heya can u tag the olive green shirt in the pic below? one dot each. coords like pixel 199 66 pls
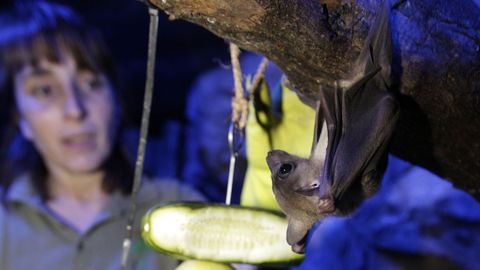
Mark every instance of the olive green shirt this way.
pixel 33 237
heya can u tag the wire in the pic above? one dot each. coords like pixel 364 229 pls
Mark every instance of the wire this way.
pixel 147 102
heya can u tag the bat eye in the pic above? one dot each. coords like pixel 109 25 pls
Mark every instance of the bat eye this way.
pixel 285 169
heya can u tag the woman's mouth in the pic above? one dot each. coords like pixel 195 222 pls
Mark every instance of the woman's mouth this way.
pixel 79 142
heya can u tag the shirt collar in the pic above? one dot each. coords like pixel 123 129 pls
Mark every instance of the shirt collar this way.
pixel 22 190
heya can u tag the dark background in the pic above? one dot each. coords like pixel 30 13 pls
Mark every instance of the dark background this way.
pixel 184 50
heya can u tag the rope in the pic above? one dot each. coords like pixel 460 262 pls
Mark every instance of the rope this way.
pixel 239 111
pixel 239 101
pixel 259 74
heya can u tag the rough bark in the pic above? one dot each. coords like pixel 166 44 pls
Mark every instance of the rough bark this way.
pixel 436 63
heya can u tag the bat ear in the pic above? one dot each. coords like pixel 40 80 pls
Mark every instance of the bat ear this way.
pixel 320 138
pixel 377 51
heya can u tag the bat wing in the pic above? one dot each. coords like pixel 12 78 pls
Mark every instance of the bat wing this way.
pixel 360 117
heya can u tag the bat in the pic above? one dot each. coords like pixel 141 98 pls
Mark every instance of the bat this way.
pixel 355 120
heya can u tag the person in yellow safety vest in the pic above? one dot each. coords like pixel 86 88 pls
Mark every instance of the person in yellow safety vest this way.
pixel 277 120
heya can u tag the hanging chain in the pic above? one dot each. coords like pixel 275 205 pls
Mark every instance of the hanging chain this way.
pixel 236 131
pixel 147 102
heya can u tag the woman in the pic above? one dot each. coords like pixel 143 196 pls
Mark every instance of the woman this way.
pixel 65 181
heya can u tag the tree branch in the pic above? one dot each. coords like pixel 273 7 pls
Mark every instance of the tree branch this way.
pixel 436 63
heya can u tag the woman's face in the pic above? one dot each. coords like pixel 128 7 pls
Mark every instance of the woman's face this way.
pixel 67 113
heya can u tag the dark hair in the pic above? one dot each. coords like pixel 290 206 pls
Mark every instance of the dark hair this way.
pixel 30 31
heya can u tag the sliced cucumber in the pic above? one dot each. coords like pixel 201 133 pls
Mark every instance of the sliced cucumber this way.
pixel 203 265
pixel 220 233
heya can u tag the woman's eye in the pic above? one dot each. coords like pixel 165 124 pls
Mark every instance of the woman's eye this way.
pixel 91 82
pixel 94 83
pixel 42 91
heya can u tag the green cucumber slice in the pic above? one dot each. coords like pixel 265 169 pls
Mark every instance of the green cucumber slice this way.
pixel 203 265
pixel 220 233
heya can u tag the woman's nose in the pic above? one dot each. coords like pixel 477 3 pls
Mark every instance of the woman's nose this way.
pixel 75 104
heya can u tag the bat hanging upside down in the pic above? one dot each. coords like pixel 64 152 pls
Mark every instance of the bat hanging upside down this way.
pixel 346 165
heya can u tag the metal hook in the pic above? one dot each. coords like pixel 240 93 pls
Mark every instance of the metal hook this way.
pixel 235 143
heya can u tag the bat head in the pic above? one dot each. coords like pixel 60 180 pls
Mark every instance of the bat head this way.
pixel 299 193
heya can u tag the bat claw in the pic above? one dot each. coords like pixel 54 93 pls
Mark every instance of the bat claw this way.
pixel 326 206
